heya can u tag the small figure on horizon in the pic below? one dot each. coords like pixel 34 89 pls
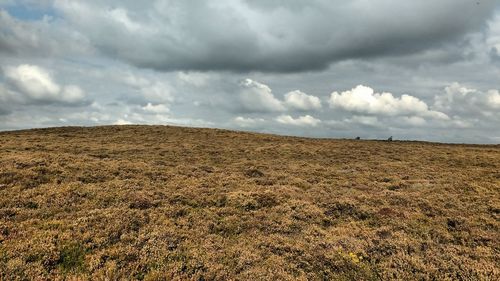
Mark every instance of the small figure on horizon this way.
pixel 390 138
pixel 358 138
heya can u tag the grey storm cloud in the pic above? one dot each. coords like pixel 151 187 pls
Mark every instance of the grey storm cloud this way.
pixel 4 111
pixel 44 37
pixel 495 55
pixel 269 36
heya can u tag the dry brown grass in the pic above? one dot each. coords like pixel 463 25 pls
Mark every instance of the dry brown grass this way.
pixel 170 203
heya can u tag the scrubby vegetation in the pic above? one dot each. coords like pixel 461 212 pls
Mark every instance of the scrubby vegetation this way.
pixel 170 203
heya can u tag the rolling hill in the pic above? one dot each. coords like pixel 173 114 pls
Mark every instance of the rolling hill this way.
pixel 173 203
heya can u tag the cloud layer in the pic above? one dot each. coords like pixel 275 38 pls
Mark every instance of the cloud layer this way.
pixel 411 69
pixel 240 35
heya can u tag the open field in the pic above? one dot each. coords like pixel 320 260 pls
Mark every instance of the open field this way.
pixel 171 203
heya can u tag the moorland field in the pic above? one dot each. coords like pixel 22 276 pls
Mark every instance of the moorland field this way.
pixel 172 203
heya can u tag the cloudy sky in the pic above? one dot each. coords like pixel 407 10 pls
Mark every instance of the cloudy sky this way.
pixel 426 70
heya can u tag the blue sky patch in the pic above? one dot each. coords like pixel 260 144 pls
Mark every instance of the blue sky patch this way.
pixel 23 12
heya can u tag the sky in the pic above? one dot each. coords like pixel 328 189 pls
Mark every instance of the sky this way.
pixel 415 70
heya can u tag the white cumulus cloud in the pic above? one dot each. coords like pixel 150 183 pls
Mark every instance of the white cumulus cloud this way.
pixel 364 100
pixel 247 122
pixel 36 84
pixel 458 99
pixel 33 81
pixel 257 97
pixel 306 120
pixel 72 94
pixel 122 122
pixel 155 108
pixel 302 101
pixel 494 99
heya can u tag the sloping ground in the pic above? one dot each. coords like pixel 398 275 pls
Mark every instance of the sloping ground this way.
pixel 156 203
